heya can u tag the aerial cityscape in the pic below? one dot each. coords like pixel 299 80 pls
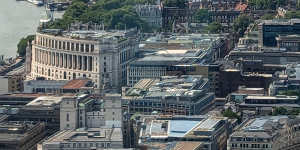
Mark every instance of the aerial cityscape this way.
pixel 150 75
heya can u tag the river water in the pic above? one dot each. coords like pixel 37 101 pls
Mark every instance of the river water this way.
pixel 17 19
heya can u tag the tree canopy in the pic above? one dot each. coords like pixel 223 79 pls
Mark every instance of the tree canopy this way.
pixel 292 14
pixel 268 17
pixel 214 27
pixel 266 4
pixel 202 16
pixel 230 114
pixel 241 23
pixel 175 3
pixel 114 14
pixel 23 44
pixel 283 111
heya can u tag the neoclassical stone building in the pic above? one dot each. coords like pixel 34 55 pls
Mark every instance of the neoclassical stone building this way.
pixel 95 54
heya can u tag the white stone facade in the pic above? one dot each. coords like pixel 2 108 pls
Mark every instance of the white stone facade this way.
pixel 86 112
pixel 98 55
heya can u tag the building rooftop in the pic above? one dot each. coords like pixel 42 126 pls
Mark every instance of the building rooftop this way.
pixel 86 135
pixel 187 145
pixel 262 127
pixel 190 48
pixel 281 22
pixel 241 7
pixel 90 32
pixel 179 127
pixel 45 101
pixel 15 131
pixel 77 84
pixel 169 86
pixel 281 97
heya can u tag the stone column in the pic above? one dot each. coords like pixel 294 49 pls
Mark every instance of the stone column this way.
pixel 49 58
pixel 37 59
pixel 70 61
pixel 65 61
pixel 77 59
pixel 87 63
pixel 92 62
pixel 74 61
pixel 43 57
pixel 61 60
pixel 56 59
pixel 82 63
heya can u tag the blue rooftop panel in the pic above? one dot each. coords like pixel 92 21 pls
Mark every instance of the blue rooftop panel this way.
pixel 178 128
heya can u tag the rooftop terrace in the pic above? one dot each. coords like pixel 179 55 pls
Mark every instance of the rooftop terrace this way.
pixel 86 135
pixel 263 127
pixel 184 86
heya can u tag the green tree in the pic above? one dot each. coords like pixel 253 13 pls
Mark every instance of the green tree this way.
pixel 22 45
pixel 202 15
pixel 175 3
pixel 230 114
pixel 267 17
pixel 292 14
pixel 266 4
pixel 280 111
pixel 214 27
pixel 241 23
pixel 114 14
pixel 84 1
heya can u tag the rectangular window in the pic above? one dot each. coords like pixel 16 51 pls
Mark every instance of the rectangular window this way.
pixel 59 45
pixel 68 117
pixel 55 44
pixel 72 46
pixel 92 48
pixel 68 45
pixel 87 47
pixel 81 47
pixel 64 45
pixel 77 46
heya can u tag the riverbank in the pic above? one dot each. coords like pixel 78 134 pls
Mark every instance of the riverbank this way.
pixel 18 24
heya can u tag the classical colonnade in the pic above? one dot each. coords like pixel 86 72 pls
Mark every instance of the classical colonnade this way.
pixel 64 60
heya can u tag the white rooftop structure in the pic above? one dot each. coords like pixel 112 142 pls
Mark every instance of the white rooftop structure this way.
pixel 45 101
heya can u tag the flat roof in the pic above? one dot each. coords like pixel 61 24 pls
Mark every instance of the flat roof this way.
pixel 187 145
pixel 271 97
pixel 209 124
pixel 281 21
pixel 86 135
pixel 184 86
pixel 15 131
pixel 178 128
pixel 262 127
pixel 76 84
pixel 258 123
pixel 45 101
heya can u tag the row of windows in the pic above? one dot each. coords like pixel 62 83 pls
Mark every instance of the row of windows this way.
pixel 148 74
pixel 153 104
pixel 86 145
pixel 62 45
pixel 65 75
pixel 289 44
pixel 248 145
